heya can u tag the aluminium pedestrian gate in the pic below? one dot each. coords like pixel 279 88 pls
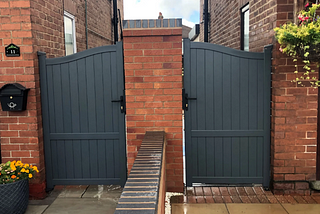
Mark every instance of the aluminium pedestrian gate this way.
pixel 226 98
pixel 83 117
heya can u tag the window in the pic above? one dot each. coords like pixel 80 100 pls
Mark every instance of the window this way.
pixel 69 34
pixel 245 28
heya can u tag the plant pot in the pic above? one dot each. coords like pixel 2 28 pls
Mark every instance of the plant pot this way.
pixel 14 197
pixel 314 53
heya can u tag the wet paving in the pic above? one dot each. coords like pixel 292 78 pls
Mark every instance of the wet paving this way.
pixel 81 199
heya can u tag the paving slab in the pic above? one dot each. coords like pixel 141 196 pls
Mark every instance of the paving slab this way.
pixel 256 209
pixel 199 208
pixel 302 208
pixel 103 191
pixel 73 191
pixel 36 209
pixel 81 206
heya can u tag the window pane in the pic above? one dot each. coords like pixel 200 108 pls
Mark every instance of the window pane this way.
pixel 246 31
pixel 69 35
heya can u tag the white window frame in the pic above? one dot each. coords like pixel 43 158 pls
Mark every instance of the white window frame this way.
pixel 73 30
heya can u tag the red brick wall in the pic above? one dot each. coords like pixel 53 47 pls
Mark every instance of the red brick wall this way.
pixel 21 135
pixel 225 23
pixel 153 75
pixel 294 122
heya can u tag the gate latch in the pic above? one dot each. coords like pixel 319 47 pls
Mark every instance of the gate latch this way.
pixel 121 101
pixel 185 99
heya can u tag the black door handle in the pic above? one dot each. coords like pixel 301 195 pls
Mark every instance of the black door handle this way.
pixel 185 98
pixel 121 101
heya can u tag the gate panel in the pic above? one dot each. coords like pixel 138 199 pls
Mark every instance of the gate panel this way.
pixel 84 130
pixel 227 114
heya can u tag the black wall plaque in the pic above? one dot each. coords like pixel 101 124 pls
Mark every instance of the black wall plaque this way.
pixel 12 50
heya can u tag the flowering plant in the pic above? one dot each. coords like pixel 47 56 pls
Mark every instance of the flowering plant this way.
pixel 302 40
pixel 13 171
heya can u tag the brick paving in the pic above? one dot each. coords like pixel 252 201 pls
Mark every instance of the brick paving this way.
pixel 241 195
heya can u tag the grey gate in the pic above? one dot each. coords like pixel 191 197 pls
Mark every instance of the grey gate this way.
pixel 83 117
pixel 226 98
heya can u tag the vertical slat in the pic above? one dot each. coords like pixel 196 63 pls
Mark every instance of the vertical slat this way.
pixel 115 110
pixel 244 91
pixel 253 94
pixel 110 158
pixel 99 92
pixel 83 109
pixel 235 109
pixel 252 156
pixel 253 98
pixel 106 63
pixel 92 117
pixel 218 157
pixel 116 159
pixel 69 153
pixel 90 73
pixel 66 108
pixel 54 160
pixel 226 114
pixel 244 156
pixel 102 158
pixel 187 115
pixel 122 130
pixel 235 156
pixel 93 151
pixel 45 114
pixel 57 88
pixel 217 91
pixel 260 102
pixel 210 154
pixel 193 92
pixel 195 158
pixel 201 111
pixel 209 109
pixel 85 151
pixel 75 118
pixel 260 152
pixel 267 98
pixel 100 112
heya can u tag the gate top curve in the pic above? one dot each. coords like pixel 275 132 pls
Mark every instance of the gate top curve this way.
pixel 85 53
pixel 225 50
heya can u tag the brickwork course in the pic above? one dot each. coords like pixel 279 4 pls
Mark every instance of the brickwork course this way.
pixel 38 26
pixel 294 108
pixel 153 76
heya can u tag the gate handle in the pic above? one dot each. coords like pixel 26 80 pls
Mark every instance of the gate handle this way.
pixel 121 101
pixel 185 99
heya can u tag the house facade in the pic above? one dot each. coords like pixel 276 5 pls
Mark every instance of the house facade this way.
pixel 57 28
pixel 248 25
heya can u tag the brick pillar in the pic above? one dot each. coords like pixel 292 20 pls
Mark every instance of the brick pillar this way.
pixel 21 132
pixel 294 122
pixel 153 75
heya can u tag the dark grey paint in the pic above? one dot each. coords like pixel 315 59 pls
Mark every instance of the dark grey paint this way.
pixel 138 23
pixel 84 132
pixel 228 125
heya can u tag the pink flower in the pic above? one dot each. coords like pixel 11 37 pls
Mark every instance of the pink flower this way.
pixel 306 18
pixel 280 49
pixel 307 5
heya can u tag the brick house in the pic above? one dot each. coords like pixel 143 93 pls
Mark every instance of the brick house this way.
pixel 58 28
pixel 248 25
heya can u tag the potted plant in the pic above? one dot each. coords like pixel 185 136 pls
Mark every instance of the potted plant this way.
pixel 14 186
pixel 302 40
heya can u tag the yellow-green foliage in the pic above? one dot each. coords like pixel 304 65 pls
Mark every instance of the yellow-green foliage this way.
pixel 293 37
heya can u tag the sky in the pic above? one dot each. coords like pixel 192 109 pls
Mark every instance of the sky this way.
pixel 188 10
